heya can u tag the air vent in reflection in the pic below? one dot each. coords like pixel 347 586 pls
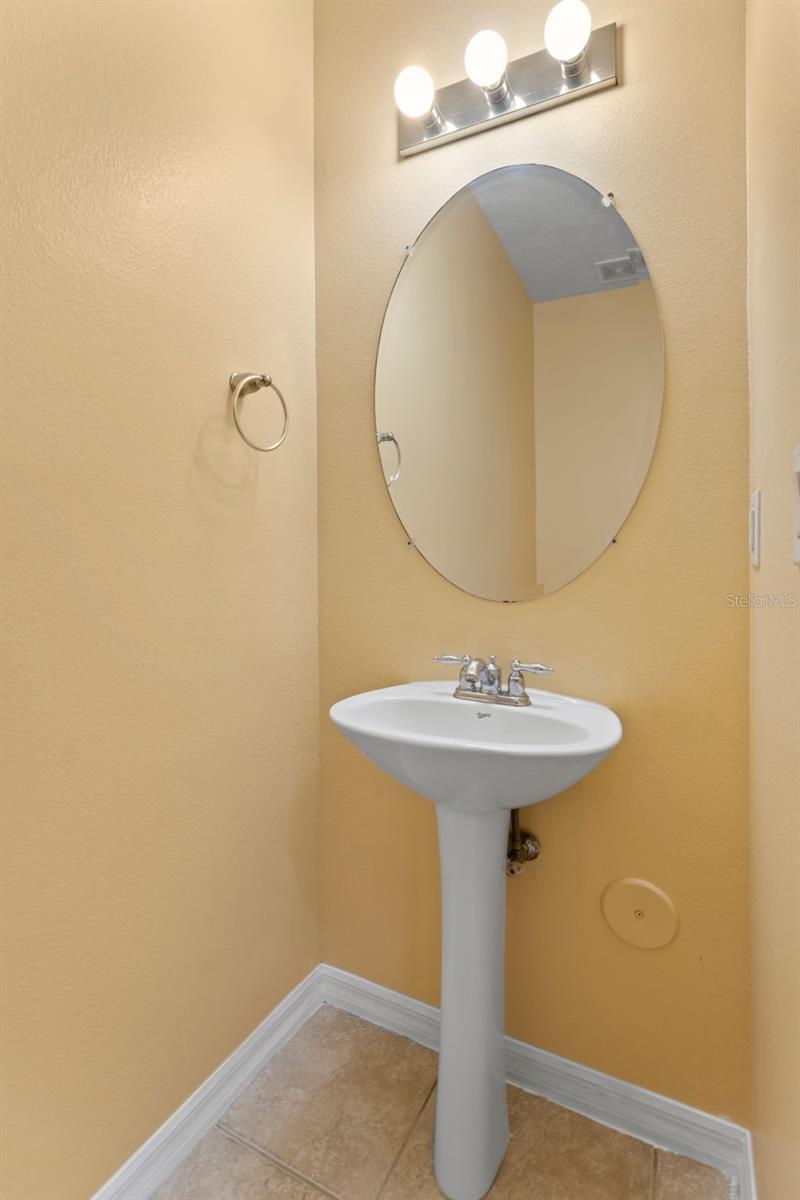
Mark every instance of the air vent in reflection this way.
pixel 637 258
pixel 615 270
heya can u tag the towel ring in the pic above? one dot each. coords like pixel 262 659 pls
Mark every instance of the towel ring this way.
pixel 242 385
pixel 389 437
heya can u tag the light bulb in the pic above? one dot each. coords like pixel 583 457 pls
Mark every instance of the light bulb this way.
pixel 567 30
pixel 414 91
pixel 486 58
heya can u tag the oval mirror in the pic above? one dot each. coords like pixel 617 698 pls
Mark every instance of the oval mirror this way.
pixel 519 381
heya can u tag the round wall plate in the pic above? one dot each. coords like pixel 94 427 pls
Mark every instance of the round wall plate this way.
pixel 640 913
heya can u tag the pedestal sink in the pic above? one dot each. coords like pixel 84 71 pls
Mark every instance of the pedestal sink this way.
pixel 476 762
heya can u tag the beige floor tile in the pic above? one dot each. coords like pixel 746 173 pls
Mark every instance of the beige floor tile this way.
pixel 680 1178
pixel 554 1154
pixel 338 1102
pixel 219 1169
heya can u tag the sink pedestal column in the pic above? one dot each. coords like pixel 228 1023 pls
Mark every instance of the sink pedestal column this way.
pixel 471 1132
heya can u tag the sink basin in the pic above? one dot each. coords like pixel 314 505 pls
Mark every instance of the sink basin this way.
pixel 475 761
pixel 478 757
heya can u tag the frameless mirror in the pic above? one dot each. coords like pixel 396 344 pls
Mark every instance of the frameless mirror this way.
pixel 519 382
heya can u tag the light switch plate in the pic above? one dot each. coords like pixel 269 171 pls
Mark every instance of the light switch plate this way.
pixel 796 523
pixel 755 528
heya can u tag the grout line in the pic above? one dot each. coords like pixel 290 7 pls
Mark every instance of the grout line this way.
pixel 406 1140
pixel 276 1161
pixel 654 1175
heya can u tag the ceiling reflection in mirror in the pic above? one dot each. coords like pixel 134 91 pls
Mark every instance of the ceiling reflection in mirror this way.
pixel 519 382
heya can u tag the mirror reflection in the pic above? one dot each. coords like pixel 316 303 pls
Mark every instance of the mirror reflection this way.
pixel 519 382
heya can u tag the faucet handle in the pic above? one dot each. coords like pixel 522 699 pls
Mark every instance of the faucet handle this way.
pixel 534 668
pixel 516 680
pixel 471 673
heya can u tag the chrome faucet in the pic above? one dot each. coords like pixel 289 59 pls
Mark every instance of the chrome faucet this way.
pixel 483 681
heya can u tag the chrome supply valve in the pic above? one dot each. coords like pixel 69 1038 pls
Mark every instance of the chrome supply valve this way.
pixel 522 847
pixel 483 681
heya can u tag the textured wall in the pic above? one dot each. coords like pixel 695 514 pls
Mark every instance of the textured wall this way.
pixel 646 629
pixel 773 184
pixel 160 577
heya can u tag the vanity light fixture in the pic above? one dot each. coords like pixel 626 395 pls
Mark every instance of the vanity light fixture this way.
pixel 577 60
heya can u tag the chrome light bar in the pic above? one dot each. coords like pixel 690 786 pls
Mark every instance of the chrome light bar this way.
pixel 534 82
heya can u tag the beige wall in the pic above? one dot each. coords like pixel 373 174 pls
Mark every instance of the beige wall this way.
pixel 599 381
pixel 160 577
pixel 646 629
pixel 454 383
pixel 773 170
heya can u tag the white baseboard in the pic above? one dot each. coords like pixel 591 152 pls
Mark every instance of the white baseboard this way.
pixel 646 1115
pixel 154 1162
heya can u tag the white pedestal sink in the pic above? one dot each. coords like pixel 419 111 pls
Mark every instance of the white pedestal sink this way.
pixel 476 762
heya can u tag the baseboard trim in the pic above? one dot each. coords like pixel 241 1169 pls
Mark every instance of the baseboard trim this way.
pixel 634 1110
pixel 154 1162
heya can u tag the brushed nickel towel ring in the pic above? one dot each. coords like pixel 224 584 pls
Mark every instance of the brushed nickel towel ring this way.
pixel 389 437
pixel 242 385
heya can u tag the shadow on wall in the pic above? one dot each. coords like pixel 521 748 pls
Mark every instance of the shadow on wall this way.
pixel 227 469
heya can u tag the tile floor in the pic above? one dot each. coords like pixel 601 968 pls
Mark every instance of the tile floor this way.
pixel 345 1111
